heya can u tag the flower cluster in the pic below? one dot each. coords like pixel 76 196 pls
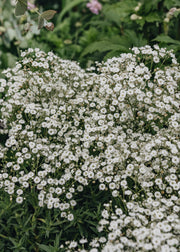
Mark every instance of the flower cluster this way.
pixel 94 6
pixel 170 14
pixel 31 6
pixel 117 126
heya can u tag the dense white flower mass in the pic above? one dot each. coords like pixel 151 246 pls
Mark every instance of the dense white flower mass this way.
pixel 117 126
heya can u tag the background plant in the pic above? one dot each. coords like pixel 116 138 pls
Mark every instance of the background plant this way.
pixel 85 37
pixel 80 34
pixel 17 32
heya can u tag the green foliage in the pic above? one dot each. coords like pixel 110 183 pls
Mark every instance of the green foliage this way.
pixel 19 32
pixel 103 46
pixel 169 3
pixel 166 40
pixel 78 33
pixel 16 33
pixel 84 34
pixel 40 22
pixel 68 7
pixel 45 16
pixel 29 226
pixel 21 7
pixel 49 14
pixel 119 12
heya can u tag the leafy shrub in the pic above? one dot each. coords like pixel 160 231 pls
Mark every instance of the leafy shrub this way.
pixel 16 33
pixel 92 155
pixel 85 37
pixel 120 25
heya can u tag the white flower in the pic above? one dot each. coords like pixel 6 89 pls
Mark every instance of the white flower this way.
pixel 37 180
pixel 19 199
pixel 69 195
pixel 102 187
pixel 70 217
pixel 20 160
pixel 114 130
pixel 19 191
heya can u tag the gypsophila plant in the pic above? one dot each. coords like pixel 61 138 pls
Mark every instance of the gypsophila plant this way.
pixel 101 142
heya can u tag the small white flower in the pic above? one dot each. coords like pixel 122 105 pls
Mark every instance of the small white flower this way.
pixel 37 180
pixel 70 217
pixel 19 191
pixel 102 187
pixel 19 199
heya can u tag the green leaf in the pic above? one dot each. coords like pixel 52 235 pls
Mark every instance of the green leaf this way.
pixel 68 7
pixel 118 12
pixel 80 229
pixel 171 3
pixel 176 13
pixel 57 239
pixel 3 236
pixel 166 39
pixel 13 241
pixel 21 7
pixel 23 2
pixel 153 17
pixel 29 218
pixel 103 46
pixel 49 14
pixel 44 221
pixel 91 222
pixel 134 39
pixel 149 6
pixel 40 22
pixel 93 229
pixel 44 247
pixel 130 182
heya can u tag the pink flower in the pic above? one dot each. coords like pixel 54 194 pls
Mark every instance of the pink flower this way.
pixel 94 6
pixel 31 6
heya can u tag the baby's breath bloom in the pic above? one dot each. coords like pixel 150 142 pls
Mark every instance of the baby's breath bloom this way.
pixel 115 129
